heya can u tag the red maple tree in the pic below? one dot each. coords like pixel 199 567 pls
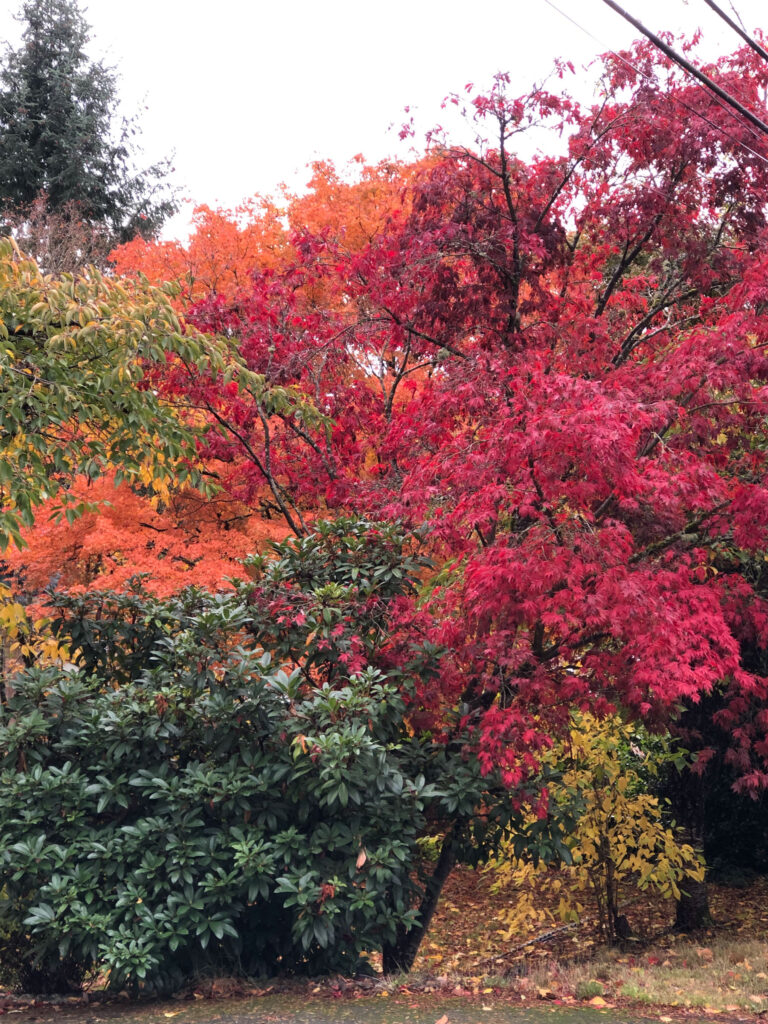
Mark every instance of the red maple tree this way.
pixel 556 366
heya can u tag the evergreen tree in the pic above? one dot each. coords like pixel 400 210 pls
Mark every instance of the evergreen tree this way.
pixel 60 136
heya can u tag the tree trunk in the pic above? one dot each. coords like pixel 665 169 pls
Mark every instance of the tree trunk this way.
pixel 400 955
pixel 693 907
pixel 692 910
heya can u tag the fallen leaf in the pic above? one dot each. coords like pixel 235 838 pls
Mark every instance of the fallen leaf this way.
pixel 443 1019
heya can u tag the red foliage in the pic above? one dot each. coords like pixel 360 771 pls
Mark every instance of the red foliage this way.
pixel 555 369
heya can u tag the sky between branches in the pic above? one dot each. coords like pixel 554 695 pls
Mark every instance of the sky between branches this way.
pixel 248 94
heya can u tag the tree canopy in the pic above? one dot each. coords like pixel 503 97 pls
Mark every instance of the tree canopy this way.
pixel 557 366
pixel 74 356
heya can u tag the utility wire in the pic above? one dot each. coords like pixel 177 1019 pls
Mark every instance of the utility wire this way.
pixel 619 56
pixel 737 28
pixel 710 83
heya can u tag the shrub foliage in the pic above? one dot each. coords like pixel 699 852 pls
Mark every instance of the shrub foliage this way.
pixel 227 780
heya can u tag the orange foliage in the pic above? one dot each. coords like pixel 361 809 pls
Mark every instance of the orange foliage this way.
pixel 352 210
pixel 227 246
pixel 224 249
pixel 193 541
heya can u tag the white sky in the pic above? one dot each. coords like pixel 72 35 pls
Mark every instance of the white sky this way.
pixel 247 92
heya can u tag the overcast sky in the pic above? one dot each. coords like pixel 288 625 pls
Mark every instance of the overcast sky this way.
pixel 247 92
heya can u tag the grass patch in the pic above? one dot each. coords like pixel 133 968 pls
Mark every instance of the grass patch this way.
pixel 636 994
pixel 726 973
pixel 589 989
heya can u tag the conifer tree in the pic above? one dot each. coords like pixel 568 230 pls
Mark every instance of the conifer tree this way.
pixel 60 134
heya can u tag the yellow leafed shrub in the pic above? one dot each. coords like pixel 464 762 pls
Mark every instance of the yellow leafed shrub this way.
pixel 620 841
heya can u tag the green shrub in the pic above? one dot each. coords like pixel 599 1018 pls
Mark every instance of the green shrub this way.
pixel 211 788
pixel 213 809
pixel 230 781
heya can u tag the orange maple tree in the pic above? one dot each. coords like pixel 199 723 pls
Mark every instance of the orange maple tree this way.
pixel 352 208
pixel 227 247
pixel 190 540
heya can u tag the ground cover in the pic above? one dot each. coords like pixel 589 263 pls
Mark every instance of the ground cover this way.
pixel 722 970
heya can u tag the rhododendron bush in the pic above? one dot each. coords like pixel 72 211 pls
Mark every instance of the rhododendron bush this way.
pixel 230 781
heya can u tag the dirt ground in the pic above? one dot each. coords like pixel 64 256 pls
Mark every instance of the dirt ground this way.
pixel 466 933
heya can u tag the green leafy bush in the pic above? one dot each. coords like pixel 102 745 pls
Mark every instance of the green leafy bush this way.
pixel 213 808
pixel 231 781
pixel 199 793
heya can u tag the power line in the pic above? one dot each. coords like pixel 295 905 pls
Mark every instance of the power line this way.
pixel 737 28
pixel 638 71
pixel 710 83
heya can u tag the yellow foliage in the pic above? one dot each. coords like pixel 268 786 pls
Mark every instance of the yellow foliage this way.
pixel 620 841
pixel 30 639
